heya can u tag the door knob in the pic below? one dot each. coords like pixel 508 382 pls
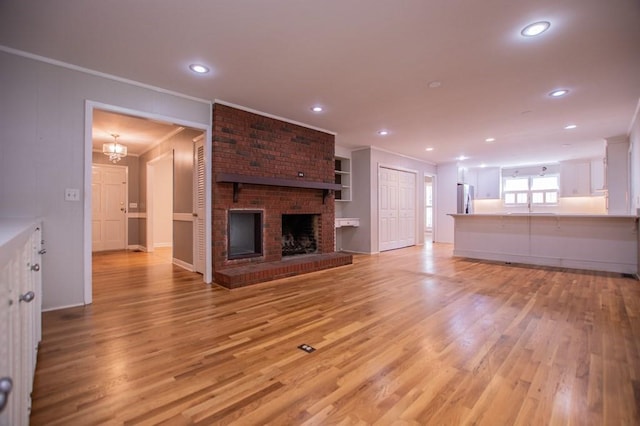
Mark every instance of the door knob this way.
pixel 6 384
pixel 35 267
pixel 27 297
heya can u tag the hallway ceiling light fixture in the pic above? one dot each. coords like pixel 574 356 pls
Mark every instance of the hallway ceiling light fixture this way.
pixel 383 132
pixel 570 126
pixel 116 151
pixel 535 29
pixel 198 68
pixel 317 108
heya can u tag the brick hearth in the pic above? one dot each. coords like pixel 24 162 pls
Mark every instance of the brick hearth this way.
pixel 241 276
pixel 274 167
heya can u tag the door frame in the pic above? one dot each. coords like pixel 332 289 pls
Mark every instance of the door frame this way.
pixel 126 198
pixel 207 277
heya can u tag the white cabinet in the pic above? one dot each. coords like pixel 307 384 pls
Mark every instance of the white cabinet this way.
pixel 575 179
pixel 488 183
pixel 20 316
pixel 342 175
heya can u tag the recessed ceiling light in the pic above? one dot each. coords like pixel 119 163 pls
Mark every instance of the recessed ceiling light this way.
pixel 483 165
pixel 570 126
pixel 490 140
pixel 435 84
pixel 383 132
pixel 462 158
pixel 317 108
pixel 535 29
pixel 558 93
pixel 429 149
pixel 198 68
pixel 566 145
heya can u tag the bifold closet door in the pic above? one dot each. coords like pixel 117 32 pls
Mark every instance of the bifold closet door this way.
pixel 396 208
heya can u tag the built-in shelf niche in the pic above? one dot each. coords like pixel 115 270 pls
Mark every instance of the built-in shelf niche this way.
pixel 343 178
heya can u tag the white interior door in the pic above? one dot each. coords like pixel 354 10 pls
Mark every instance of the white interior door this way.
pixel 388 208
pixel 199 207
pixel 109 187
pixel 407 208
pixel 397 208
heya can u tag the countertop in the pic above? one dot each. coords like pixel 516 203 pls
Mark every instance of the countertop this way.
pixel 559 215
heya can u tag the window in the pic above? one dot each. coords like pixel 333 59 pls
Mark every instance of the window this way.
pixel 537 190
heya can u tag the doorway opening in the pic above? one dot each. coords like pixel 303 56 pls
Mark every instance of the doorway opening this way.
pixel 428 208
pixel 159 226
pixel 159 195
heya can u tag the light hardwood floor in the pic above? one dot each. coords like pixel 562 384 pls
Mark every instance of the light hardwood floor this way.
pixel 411 336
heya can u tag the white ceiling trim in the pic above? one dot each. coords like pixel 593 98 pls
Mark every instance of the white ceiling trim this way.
pixel 375 148
pixel 162 139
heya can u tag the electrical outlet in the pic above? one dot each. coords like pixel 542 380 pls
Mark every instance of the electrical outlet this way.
pixel 72 194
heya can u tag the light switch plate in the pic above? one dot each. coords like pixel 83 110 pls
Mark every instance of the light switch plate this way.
pixel 72 194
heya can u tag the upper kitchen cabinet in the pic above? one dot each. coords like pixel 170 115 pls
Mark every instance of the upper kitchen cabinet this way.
pixel 488 183
pixel 575 178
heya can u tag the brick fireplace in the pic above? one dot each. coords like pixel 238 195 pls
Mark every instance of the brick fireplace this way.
pixel 280 175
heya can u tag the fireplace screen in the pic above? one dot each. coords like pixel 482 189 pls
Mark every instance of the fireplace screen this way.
pixel 245 234
pixel 299 234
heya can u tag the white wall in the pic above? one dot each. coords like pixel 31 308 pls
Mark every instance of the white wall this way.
pixel 364 173
pixel 42 152
pixel 446 201
pixel 566 205
pixel 163 202
pixel 358 239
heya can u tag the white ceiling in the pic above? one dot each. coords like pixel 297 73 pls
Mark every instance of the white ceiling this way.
pixel 137 134
pixel 370 62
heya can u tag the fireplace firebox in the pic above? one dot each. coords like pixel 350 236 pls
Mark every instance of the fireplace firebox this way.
pixel 300 234
pixel 245 234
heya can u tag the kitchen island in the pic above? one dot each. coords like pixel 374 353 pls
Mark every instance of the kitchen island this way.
pixel 595 242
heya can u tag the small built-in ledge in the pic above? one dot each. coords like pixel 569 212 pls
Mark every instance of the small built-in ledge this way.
pixel 347 221
pixel 238 180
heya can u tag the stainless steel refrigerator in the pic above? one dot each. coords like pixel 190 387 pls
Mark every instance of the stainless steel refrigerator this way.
pixel 465 198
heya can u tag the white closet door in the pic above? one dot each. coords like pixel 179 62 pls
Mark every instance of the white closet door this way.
pixel 407 208
pixel 397 208
pixel 199 207
pixel 388 208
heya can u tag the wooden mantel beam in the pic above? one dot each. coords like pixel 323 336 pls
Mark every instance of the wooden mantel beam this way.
pixel 238 180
